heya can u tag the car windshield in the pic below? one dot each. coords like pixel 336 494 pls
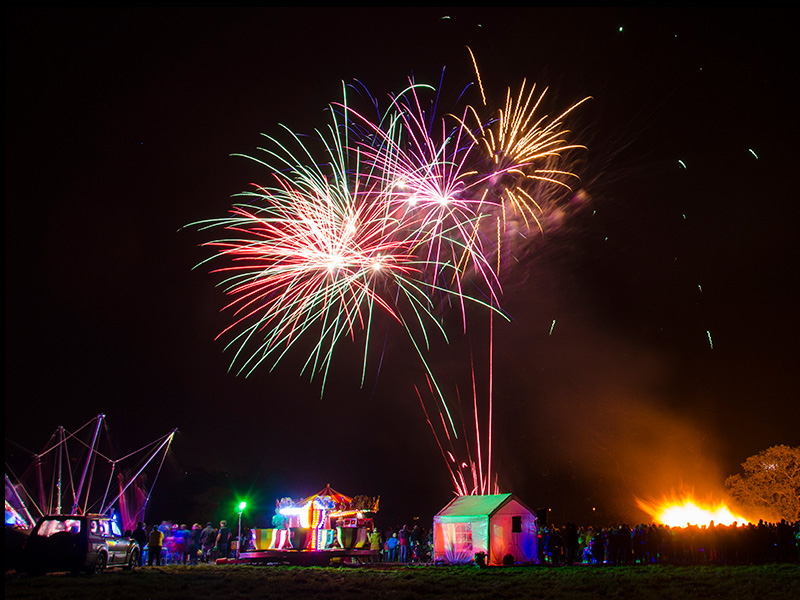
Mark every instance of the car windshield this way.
pixel 53 526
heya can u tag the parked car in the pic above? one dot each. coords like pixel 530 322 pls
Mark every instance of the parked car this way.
pixel 78 543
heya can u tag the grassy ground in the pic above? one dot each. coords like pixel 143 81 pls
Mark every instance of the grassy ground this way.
pixel 244 582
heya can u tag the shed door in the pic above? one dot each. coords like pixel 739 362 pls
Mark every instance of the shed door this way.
pixel 454 542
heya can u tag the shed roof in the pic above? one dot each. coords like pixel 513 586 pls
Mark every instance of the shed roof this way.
pixel 475 506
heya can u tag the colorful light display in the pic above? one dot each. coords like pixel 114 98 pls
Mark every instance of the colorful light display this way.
pixel 320 519
pixel 406 218
pixel 391 217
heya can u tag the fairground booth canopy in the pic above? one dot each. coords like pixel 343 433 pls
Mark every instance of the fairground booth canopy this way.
pixel 498 525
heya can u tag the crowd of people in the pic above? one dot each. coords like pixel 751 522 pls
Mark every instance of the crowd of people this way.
pixel 624 545
pixel 648 544
pixel 402 544
pixel 172 544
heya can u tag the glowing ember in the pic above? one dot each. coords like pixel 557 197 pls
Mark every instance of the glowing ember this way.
pixel 690 511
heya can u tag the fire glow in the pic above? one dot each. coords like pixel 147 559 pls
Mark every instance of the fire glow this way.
pixel 690 511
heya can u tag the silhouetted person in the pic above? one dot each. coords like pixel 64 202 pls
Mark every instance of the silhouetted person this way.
pixel 208 538
pixel 404 543
pixel 139 535
pixel 570 540
pixel 223 541
pixel 556 543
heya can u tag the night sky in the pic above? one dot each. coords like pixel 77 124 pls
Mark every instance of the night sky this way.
pixel 653 335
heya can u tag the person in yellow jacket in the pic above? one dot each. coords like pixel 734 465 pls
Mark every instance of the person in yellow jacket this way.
pixel 375 543
pixel 154 543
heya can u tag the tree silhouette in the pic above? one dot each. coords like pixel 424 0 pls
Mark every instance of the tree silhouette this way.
pixel 770 483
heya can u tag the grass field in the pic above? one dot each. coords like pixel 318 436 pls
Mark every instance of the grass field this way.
pixel 773 581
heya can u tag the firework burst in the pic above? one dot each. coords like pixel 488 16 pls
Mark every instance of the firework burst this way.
pixel 318 251
pixel 402 216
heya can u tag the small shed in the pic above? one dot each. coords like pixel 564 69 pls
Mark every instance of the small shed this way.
pixel 497 525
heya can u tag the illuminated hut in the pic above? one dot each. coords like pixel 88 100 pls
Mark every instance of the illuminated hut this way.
pixel 497 525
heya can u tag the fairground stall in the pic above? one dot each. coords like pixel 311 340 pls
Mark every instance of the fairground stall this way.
pixel 315 530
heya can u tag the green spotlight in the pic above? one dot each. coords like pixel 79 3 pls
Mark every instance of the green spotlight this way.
pixel 242 506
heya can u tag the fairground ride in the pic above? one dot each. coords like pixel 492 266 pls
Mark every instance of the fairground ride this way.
pixel 72 475
pixel 325 526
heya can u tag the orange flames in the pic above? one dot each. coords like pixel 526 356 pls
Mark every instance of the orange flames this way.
pixel 680 512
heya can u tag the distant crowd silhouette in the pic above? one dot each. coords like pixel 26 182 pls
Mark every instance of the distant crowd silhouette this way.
pixel 736 544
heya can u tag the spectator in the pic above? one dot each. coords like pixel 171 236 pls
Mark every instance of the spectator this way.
pixel 570 540
pixel 208 538
pixel 404 543
pixel 223 541
pixel 416 541
pixel 140 536
pixel 391 548
pixel 181 545
pixel 193 543
pixel 170 538
pixel 375 541
pixel 154 544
